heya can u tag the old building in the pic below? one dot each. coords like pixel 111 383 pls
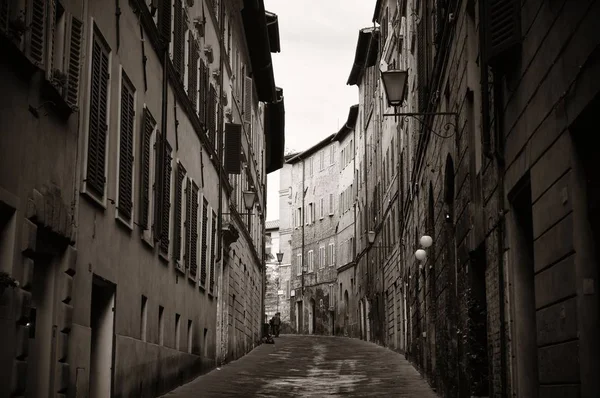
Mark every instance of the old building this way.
pixel 346 310
pixel 311 179
pixel 491 162
pixel 277 296
pixel 136 139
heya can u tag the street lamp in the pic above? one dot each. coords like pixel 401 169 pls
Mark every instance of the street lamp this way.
pixel 394 84
pixel 421 254
pixel 279 258
pixel 371 237
pixel 250 197
pixel 426 241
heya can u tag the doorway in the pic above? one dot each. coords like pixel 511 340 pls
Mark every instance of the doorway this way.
pixel 522 268
pixel 311 316
pixel 102 321
pixel 299 310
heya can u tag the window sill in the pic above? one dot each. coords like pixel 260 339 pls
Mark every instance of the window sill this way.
pixel 59 105
pixel 128 225
pixel 179 267
pixel 147 241
pixel 193 278
pixel 164 257
pixel 93 198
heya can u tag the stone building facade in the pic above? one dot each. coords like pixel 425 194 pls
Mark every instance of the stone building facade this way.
pixel 278 285
pixel 506 302
pixel 123 217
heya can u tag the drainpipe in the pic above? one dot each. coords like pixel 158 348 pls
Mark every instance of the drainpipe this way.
pixel 302 220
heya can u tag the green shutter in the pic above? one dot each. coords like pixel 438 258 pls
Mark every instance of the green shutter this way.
pixel 74 66
pixel 193 72
pixel 96 152
pixel 166 199
pixel 212 250
pixel 203 253
pixel 164 20
pixel 178 211
pixel 148 126
pixel 194 231
pixel 125 204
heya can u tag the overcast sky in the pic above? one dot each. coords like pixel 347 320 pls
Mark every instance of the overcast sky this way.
pixel 318 41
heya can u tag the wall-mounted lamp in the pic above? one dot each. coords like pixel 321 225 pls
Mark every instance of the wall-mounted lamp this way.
pixel 421 254
pixel 394 83
pixel 250 198
pixel 426 241
pixel 279 257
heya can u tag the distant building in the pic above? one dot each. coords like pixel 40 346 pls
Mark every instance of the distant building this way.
pixel 277 296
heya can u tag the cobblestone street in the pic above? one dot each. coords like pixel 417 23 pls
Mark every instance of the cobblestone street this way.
pixel 312 366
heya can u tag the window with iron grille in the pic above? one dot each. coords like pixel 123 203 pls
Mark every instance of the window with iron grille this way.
pixel 126 145
pixel 95 178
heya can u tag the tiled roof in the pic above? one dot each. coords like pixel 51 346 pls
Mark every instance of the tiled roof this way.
pixel 273 224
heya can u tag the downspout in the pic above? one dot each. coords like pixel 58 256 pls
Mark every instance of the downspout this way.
pixel 302 220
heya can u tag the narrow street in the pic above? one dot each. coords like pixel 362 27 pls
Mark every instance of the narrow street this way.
pixel 312 366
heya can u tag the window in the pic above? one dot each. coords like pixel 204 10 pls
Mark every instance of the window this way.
pixel 331 254
pixel 144 318
pixel 192 73
pixel 164 218
pixel 331 155
pixel 191 227
pixel 178 43
pixel 331 204
pixel 322 257
pixel 178 223
pixel 189 336
pixel 321 208
pixel 203 253
pixel 310 166
pixel 95 176
pixel 310 261
pixel 64 50
pixel 126 145
pixel 177 330
pixel 299 264
pixel 310 214
pixel 147 164
pixel 161 325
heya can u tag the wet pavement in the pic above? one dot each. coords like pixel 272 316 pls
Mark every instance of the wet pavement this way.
pixel 312 366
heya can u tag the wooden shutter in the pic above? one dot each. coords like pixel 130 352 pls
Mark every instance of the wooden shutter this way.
pixel 125 204
pixel 37 32
pixel 247 99
pixel 178 211
pixel 194 230
pixel 203 253
pixel 164 20
pixel 188 217
pixel 148 126
pixel 212 110
pixel 166 199
pixel 202 93
pixel 213 242
pixel 193 72
pixel 73 69
pixel 51 30
pixel 422 62
pixel 233 148
pixel 178 39
pixel 503 27
pixel 98 128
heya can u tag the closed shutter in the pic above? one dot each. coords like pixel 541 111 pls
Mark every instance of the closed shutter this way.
pixel 148 126
pixel 422 60
pixel 212 108
pixel 51 11
pixel 4 15
pixel 125 204
pixel 213 242
pixel 74 65
pixel 194 231
pixel 247 99
pixel 503 25
pixel 164 20
pixel 203 253
pixel 37 32
pixel 177 215
pixel 178 38
pixel 166 199
pixel 193 72
pixel 96 151
pixel 233 148
pixel 202 92
pixel 188 217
